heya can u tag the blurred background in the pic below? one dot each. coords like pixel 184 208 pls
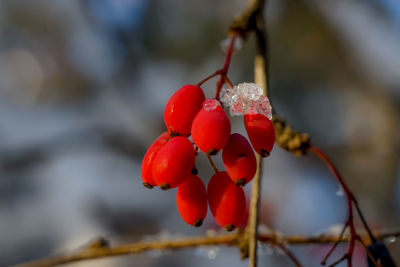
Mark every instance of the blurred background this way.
pixel 83 85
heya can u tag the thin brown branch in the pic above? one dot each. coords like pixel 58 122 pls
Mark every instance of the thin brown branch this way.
pixel 326 239
pixel 245 22
pixel 349 200
pixel 290 255
pixel 343 258
pixel 95 253
pixel 98 252
pixel 260 77
pixel 363 220
pixel 323 262
pixel 252 228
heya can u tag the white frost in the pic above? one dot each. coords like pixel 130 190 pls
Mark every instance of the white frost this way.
pixel 246 98
pixel 211 104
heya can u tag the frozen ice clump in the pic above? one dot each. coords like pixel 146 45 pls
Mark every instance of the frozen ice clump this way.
pixel 211 104
pixel 246 98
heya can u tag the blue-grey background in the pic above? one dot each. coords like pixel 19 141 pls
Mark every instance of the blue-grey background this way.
pixel 83 85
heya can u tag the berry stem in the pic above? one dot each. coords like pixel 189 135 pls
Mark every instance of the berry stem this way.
pixel 218 72
pixel 223 78
pixel 228 82
pixel 219 86
pixel 212 163
pixel 290 254
pixel 222 72
pixel 229 53
pixel 225 68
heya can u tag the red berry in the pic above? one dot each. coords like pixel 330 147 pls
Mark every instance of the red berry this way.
pixel 181 109
pixel 148 158
pixel 239 159
pixel 173 163
pixel 226 200
pixel 211 127
pixel 261 133
pixel 191 200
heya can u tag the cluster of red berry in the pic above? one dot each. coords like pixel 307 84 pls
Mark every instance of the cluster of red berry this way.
pixel 170 160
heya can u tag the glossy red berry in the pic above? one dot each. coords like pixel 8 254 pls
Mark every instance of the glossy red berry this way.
pixel 173 163
pixel 261 133
pixel 148 158
pixel 191 200
pixel 239 159
pixel 226 200
pixel 181 109
pixel 211 127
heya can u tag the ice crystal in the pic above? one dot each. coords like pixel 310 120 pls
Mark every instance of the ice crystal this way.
pixel 211 104
pixel 246 98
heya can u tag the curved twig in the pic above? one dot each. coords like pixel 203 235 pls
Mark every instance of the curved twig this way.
pixel 97 252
